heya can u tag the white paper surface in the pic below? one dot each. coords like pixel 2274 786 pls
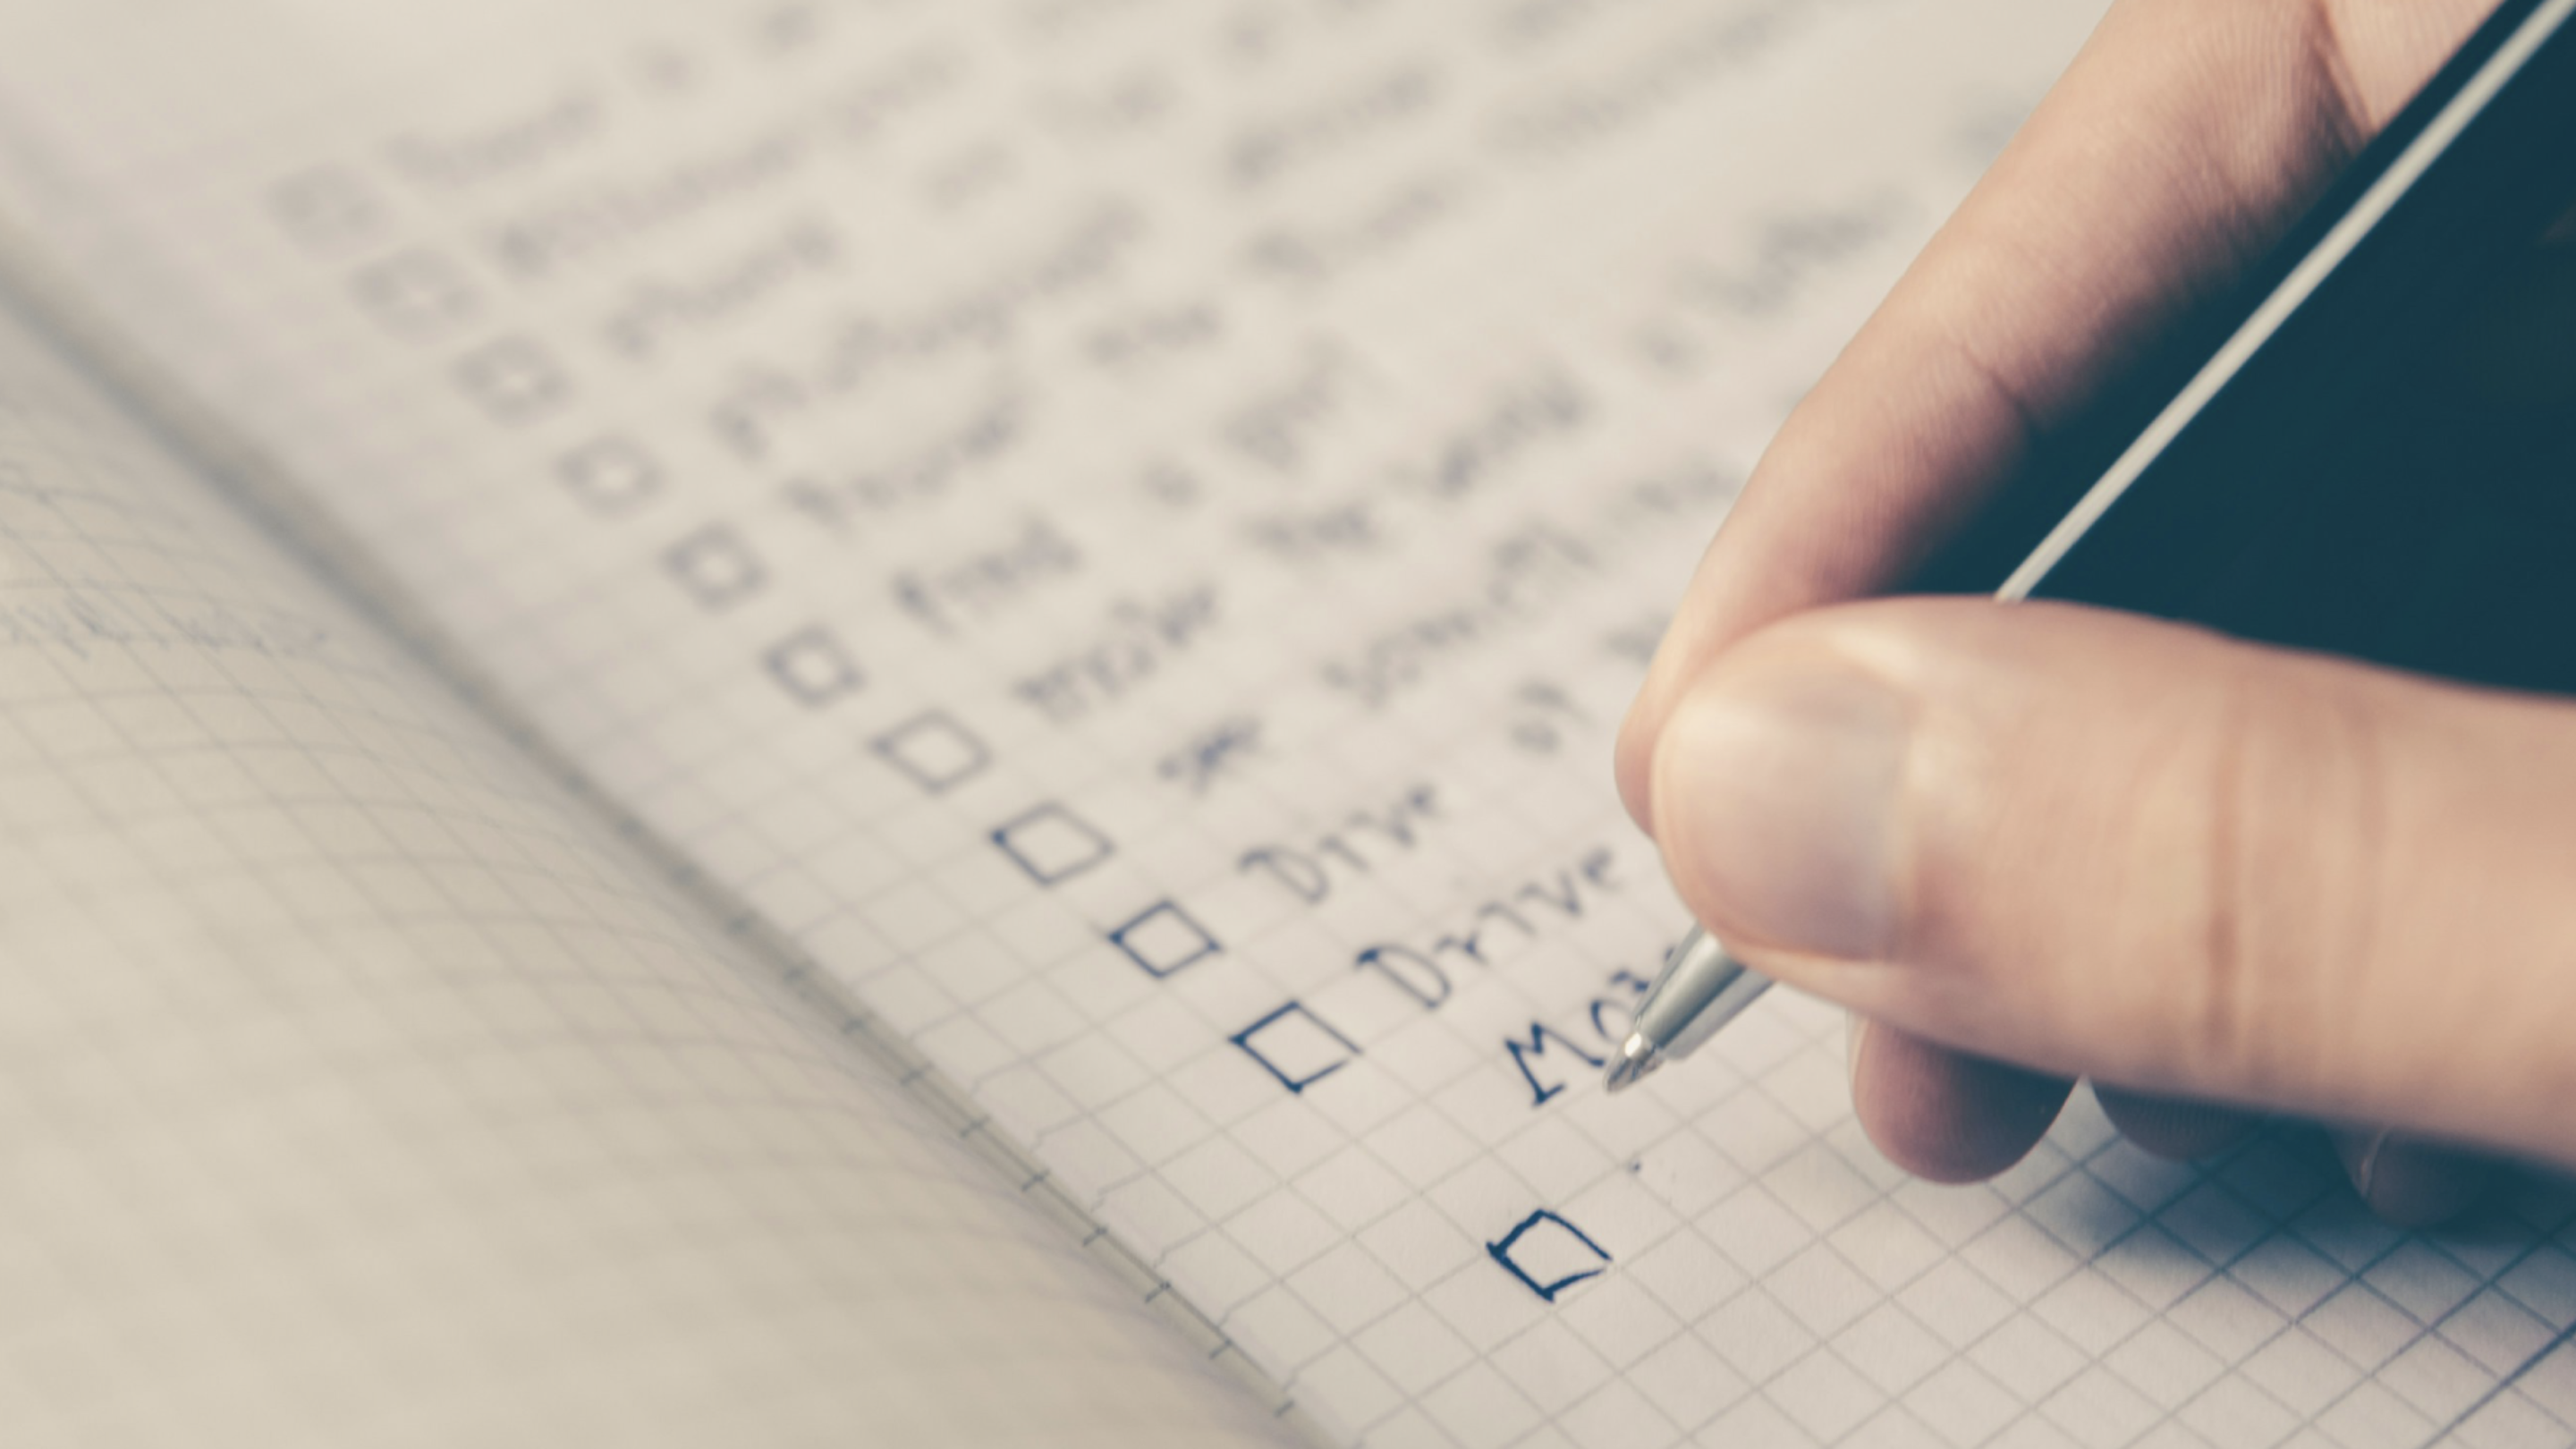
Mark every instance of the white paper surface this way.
pixel 1125 528
pixel 357 1089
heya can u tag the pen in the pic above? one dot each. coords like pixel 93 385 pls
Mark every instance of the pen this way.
pixel 2275 490
pixel 1700 989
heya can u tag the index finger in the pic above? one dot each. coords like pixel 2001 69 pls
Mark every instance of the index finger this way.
pixel 2182 142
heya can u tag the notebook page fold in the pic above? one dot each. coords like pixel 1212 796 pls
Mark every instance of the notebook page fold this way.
pixel 356 1088
pixel 1123 529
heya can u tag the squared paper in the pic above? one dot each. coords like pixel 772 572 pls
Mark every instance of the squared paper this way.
pixel 1122 533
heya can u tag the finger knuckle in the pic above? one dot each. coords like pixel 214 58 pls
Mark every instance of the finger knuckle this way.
pixel 2294 838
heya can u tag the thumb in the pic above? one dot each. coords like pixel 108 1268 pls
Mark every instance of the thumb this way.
pixel 2104 846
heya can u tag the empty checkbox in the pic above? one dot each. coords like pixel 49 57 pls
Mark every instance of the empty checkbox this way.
pixel 812 667
pixel 934 751
pixel 610 476
pixel 513 380
pixel 715 567
pixel 1164 939
pixel 1052 844
pixel 1294 1045
pixel 416 294
pixel 328 207
pixel 1548 1254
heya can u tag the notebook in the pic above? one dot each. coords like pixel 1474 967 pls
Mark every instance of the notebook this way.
pixel 885 721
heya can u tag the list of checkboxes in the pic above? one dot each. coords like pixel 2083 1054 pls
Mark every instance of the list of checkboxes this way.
pixel 610 475
pixel 934 751
pixel 1296 1046
pixel 416 294
pixel 327 208
pixel 513 381
pixel 1164 939
pixel 1052 844
pixel 1548 1254
pixel 812 667
pixel 715 567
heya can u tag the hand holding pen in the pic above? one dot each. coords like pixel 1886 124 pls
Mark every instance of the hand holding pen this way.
pixel 2195 869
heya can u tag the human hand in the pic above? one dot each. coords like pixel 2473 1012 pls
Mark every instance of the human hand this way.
pixel 2194 870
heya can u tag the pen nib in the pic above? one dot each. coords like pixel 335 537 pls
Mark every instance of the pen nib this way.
pixel 1637 1061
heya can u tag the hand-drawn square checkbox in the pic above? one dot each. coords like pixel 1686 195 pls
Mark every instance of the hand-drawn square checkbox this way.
pixel 513 380
pixel 326 208
pixel 812 667
pixel 715 567
pixel 1052 844
pixel 935 751
pixel 1164 939
pixel 416 294
pixel 1296 1046
pixel 1549 1255
pixel 611 475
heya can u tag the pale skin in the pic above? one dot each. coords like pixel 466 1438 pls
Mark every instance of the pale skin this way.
pixel 2092 845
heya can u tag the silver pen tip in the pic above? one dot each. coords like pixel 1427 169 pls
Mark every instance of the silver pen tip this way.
pixel 1637 1061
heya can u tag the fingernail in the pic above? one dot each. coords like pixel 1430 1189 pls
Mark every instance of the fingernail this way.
pixel 1777 793
pixel 2411 1184
pixel 2174 1128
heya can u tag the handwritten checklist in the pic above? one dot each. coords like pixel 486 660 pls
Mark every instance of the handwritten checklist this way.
pixel 1125 531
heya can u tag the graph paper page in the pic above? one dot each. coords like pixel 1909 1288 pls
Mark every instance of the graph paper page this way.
pixel 1124 529
pixel 355 1091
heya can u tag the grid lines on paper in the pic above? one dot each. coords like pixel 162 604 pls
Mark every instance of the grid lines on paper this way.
pixel 1342 1216
pixel 357 1083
